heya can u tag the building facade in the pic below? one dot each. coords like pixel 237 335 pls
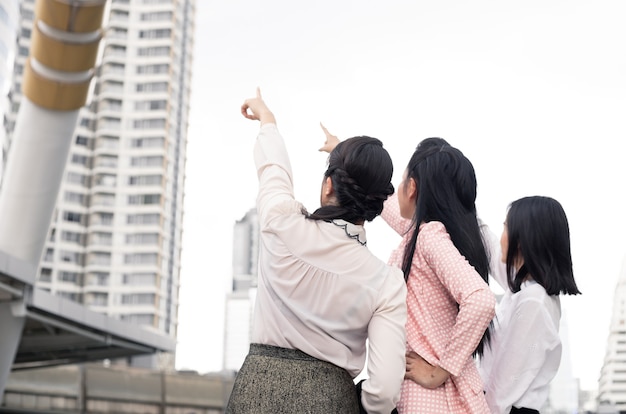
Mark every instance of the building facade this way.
pixel 241 300
pixel 9 23
pixel 114 241
pixel 612 385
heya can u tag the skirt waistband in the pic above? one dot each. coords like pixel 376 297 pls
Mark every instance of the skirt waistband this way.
pixel 278 352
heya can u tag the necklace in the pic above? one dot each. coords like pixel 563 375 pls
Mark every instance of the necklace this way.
pixel 344 226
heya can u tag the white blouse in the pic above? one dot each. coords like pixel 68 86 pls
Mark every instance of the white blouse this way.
pixel 320 290
pixel 525 350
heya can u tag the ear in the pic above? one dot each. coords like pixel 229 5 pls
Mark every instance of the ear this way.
pixel 411 189
pixel 329 191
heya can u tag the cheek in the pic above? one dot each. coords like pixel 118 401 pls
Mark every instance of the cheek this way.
pixel 504 245
pixel 404 204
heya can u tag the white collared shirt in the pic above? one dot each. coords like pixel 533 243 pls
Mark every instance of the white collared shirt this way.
pixel 320 290
pixel 525 350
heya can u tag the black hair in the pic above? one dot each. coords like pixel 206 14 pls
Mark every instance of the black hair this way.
pixel 538 233
pixel 446 185
pixel 361 171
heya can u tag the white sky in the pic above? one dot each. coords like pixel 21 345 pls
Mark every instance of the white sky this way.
pixel 533 92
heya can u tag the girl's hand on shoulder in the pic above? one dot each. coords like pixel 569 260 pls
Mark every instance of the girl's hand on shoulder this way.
pixel 421 372
pixel 331 141
pixel 256 109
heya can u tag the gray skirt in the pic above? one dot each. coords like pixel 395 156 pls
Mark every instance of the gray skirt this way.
pixel 279 380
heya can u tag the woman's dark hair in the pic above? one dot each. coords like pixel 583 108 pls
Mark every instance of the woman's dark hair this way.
pixel 538 233
pixel 446 185
pixel 360 170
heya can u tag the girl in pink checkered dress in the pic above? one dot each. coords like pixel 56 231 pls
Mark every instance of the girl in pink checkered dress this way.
pixel 446 266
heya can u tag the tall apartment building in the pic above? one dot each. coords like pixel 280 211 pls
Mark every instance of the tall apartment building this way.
pixel 115 238
pixel 9 22
pixel 240 302
pixel 612 385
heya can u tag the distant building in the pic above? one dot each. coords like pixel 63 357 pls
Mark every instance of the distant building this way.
pixel 612 385
pixel 9 24
pixel 240 301
pixel 114 241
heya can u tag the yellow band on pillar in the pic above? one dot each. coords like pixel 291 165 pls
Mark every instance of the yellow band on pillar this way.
pixel 64 56
pixel 51 94
pixel 79 17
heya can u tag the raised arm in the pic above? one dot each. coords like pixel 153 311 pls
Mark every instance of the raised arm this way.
pixel 258 110
pixel 272 161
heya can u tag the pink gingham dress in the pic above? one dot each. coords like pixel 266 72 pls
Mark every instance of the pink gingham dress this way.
pixel 449 307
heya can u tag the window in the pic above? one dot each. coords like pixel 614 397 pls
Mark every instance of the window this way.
pixel 103 200
pixel 155 33
pixel 153 51
pixel 98 278
pixel 144 199
pixel 106 161
pixel 105 180
pixel 153 69
pixel 76 178
pixel 75 198
pixel 72 257
pixel 142 238
pixel 103 219
pixel 71 277
pixel 156 16
pixel 97 299
pixel 82 140
pixel 140 279
pixel 157 123
pixel 151 105
pixel 148 161
pixel 81 159
pixel 150 218
pixel 45 274
pixel 139 319
pixel 100 238
pixel 73 296
pixel 72 217
pixel 145 180
pixel 119 15
pixel 100 258
pixel 141 258
pixel 139 299
pixel 152 87
pixel 72 237
pixel 149 142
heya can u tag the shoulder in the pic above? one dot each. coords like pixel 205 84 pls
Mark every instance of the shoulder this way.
pixel 288 207
pixel 432 230
pixel 432 235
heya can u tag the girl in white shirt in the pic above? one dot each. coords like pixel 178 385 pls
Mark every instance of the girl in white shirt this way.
pixel 321 293
pixel 525 351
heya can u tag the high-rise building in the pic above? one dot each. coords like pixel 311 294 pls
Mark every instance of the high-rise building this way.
pixel 240 302
pixel 9 22
pixel 115 238
pixel 612 385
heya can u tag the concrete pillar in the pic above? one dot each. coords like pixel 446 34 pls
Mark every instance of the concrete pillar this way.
pixel 12 318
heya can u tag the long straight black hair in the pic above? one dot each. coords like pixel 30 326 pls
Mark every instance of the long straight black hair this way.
pixel 446 185
pixel 538 233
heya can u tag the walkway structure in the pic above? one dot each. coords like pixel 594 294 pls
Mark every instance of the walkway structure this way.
pixel 37 328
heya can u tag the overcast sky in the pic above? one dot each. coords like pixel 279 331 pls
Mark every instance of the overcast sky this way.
pixel 533 92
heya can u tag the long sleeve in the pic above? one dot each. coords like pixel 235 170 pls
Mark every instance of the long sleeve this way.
pixel 273 170
pixel 529 343
pixel 386 363
pixel 391 215
pixel 475 299
pixel 492 244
